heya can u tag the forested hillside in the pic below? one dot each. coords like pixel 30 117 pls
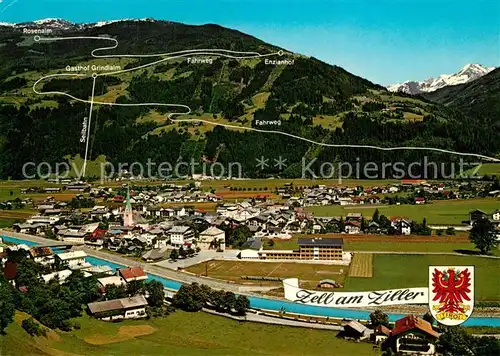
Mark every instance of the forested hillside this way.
pixel 310 99
pixel 477 99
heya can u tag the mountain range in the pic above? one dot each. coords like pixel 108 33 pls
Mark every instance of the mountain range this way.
pixel 478 98
pixel 61 24
pixel 307 98
pixel 467 74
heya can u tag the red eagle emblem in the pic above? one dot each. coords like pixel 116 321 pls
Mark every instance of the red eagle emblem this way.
pixel 451 289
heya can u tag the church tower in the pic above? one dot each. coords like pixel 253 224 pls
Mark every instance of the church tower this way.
pixel 128 215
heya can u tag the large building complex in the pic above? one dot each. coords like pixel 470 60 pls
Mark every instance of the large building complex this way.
pixel 314 249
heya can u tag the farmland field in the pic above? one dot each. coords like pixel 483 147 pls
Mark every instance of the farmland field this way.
pixel 398 271
pixel 180 333
pixel 8 222
pixel 276 183
pixel 251 186
pixel 441 212
pixel 309 275
pixel 409 247
pixel 361 265
pixel 391 243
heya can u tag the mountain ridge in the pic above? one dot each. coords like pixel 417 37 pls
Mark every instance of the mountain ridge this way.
pixel 60 23
pixel 468 73
pixel 309 98
pixel 477 99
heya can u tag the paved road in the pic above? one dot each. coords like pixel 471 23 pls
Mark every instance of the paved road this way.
pixel 150 268
pixel 202 256
pixel 278 321
pixel 258 317
pixel 163 272
pixel 183 277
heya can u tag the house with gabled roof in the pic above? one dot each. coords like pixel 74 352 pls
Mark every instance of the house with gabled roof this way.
pixel 402 225
pixel 355 330
pixel 352 227
pixel 103 282
pixel 132 274
pixel 116 309
pixel 212 238
pixel 250 249
pixel 73 259
pixel 374 227
pixel 477 214
pixel 257 221
pixel 42 254
pixel 413 335
pixel 380 334
pixel 354 217
pixel 180 235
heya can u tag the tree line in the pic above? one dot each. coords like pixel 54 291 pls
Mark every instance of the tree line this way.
pixel 194 297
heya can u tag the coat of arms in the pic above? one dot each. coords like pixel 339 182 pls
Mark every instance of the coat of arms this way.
pixel 451 293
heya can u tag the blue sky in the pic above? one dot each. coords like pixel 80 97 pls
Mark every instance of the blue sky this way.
pixel 386 41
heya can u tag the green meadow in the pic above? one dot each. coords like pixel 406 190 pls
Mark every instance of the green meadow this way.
pixel 398 271
pixel 179 334
pixel 441 212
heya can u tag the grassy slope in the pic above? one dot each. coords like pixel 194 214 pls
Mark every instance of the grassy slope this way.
pixel 485 169
pixel 184 334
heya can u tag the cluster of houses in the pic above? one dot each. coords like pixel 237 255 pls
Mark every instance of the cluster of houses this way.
pixel 151 230
pixel 157 228
pixel 66 185
pixel 65 263
pixel 149 196
pixel 415 191
pixel 410 335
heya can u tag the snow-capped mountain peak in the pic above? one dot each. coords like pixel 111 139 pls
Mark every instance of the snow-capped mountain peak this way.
pixel 54 23
pixel 474 70
pixel 47 21
pixel 467 74
pixel 104 23
pixel 61 24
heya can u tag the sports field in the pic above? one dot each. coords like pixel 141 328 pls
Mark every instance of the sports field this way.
pixel 387 271
pixel 180 334
pixel 441 212
pixel 398 271
pixel 308 274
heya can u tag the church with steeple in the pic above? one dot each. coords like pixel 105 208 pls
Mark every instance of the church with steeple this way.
pixel 128 214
